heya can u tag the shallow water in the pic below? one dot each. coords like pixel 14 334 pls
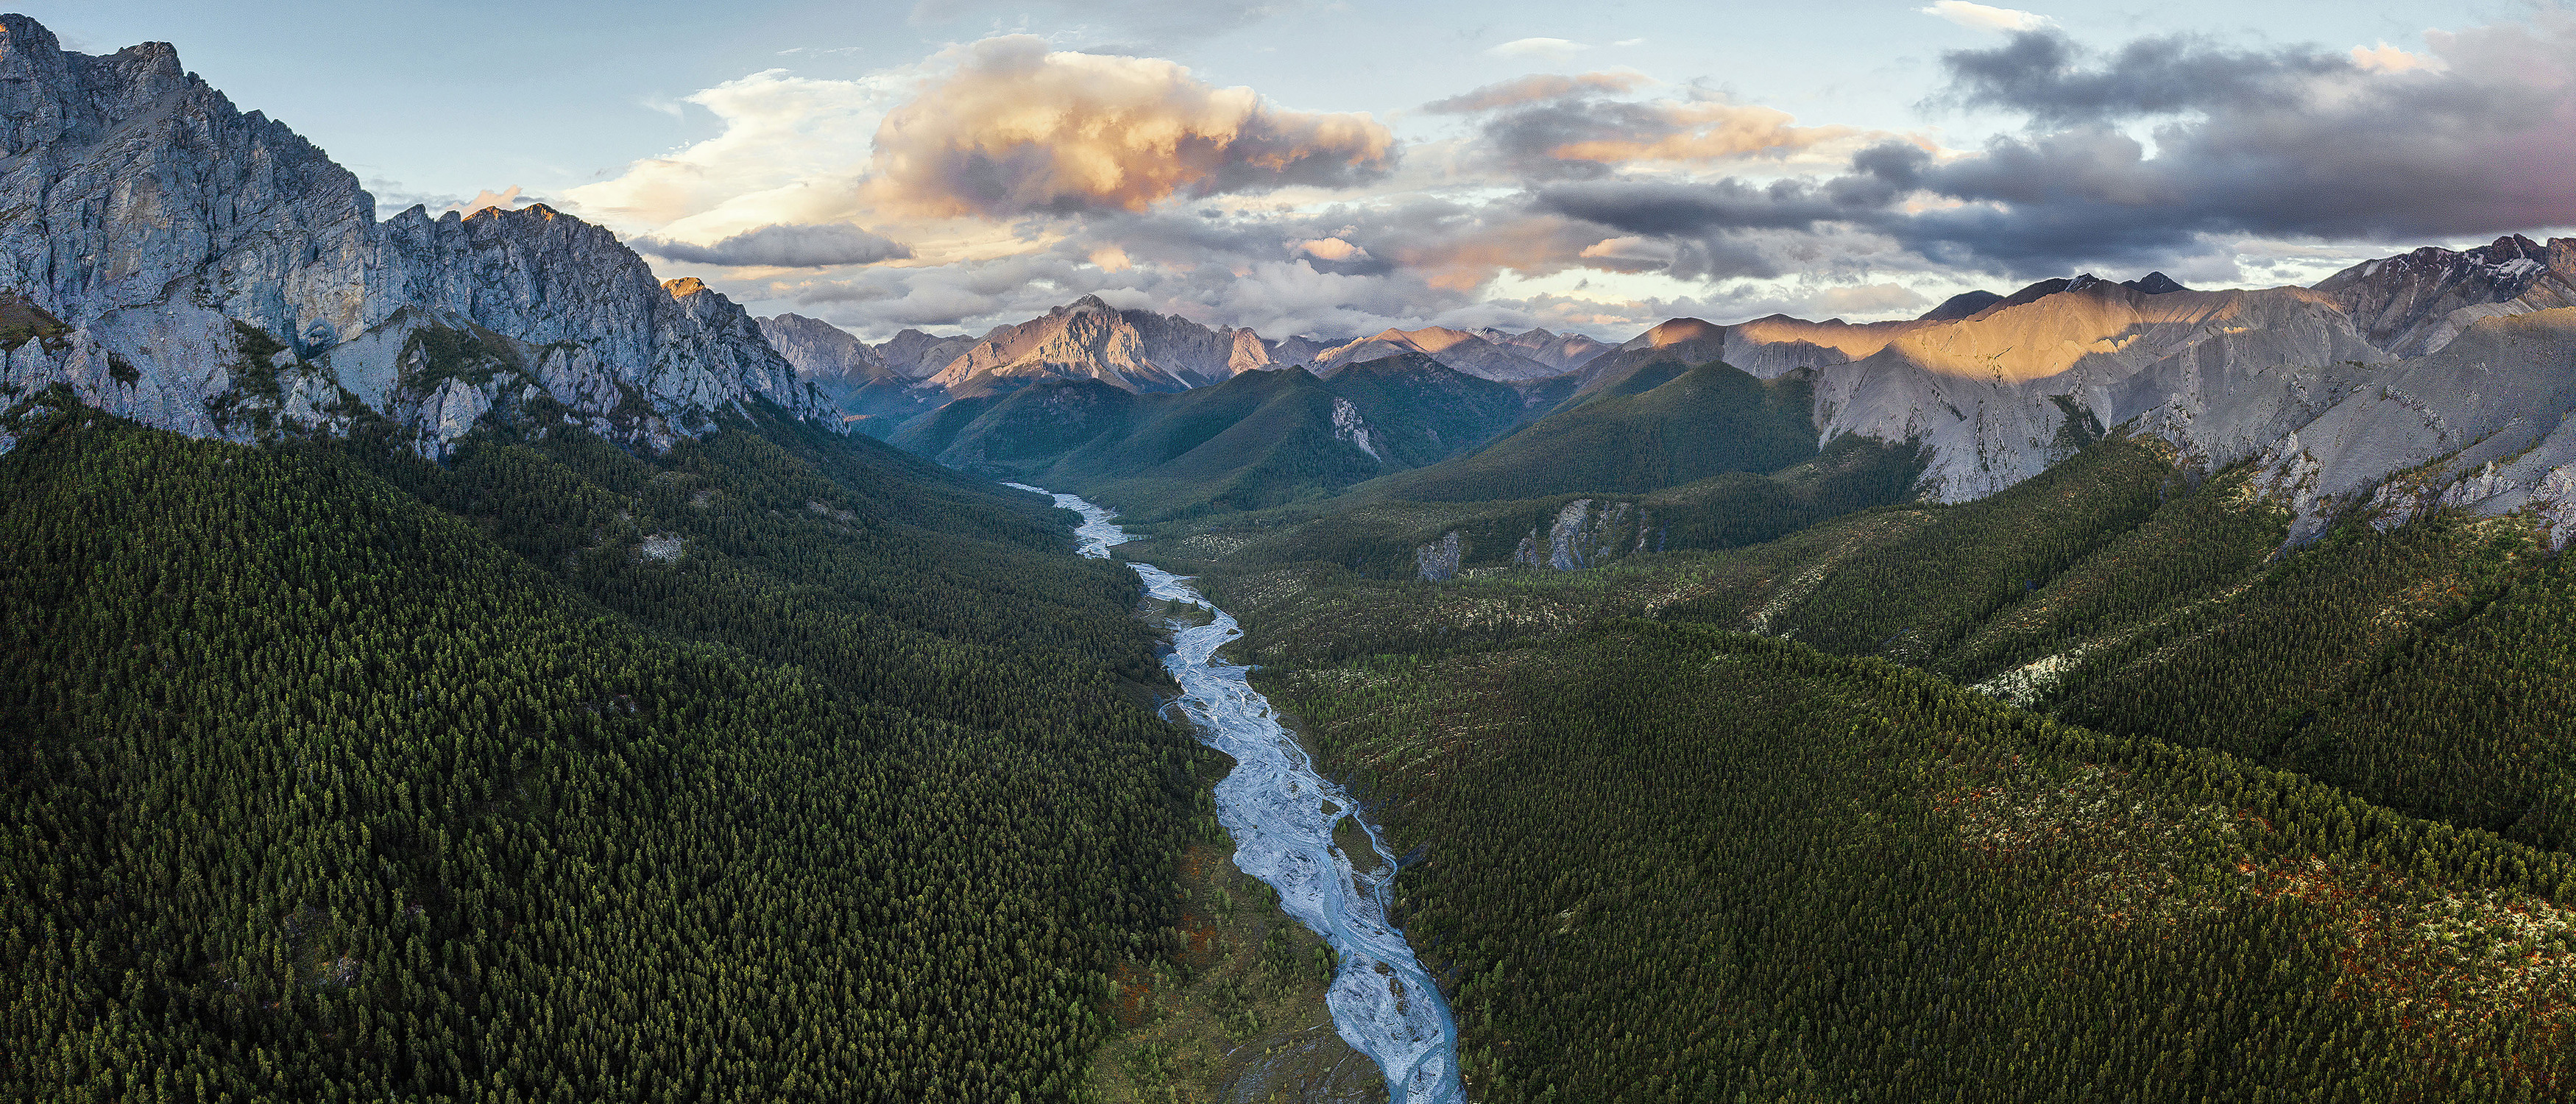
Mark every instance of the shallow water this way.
pixel 1281 814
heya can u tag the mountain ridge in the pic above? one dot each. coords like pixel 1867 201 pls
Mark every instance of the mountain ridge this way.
pixel 250 290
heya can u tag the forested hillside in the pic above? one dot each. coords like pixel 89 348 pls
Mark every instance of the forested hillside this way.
pixel 1669 863
pixel 777 767
pixel 1668 860
pixel 1256 441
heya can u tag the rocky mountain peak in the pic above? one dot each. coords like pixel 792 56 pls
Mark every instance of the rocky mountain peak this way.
pixel 2417 302
pixel 681 288
pixel 1674 332
pixel 250 289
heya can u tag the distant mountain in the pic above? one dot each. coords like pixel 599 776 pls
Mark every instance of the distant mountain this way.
pixel 1458 349
pixel 1291 351
pixel 1960 306
pixel 1655 430
pixel 824 353
pixel 1089 339
pixel 917 355
pixel 2416 303
pixel 1256 440
pixel 1563 352
pixel 255 293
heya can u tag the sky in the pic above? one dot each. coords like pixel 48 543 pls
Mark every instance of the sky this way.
pixel 1335 168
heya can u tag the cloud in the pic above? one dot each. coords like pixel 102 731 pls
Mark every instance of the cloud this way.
pixel 1537 47
pixel 782 246
pixel 2282 144
pixel 2048 76
pixel 1330 249
pixel 1551 127
pixel 1535 88
pixel 2385 58
pixel 1017 129
pixel 790 150
pixel 1984 18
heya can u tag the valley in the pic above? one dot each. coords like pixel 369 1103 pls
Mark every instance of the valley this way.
pixel 1002 634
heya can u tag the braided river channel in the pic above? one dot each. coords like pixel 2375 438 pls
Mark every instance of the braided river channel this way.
pixel 1281 814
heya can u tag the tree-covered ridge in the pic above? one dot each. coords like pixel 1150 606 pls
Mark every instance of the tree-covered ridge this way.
pixel 317 792
pixel 1666 863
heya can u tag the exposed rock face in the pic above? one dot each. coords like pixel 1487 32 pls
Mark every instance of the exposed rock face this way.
pixel 1437 562
pixel 2416 303
pixel 1088 339
pixel 217 275
pixel 825 353
pixel 1351 429
pixel 2458 369
pixel 1582 535
pixel 1458 349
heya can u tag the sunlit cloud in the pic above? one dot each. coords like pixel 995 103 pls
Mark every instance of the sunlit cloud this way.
pixel 2385 58
pixel 1986 18
pixel 1017 128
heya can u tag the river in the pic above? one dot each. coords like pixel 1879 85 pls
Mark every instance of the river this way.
pixel 1281 814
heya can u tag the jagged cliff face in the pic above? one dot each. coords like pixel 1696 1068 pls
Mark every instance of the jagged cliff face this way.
pixel 215 274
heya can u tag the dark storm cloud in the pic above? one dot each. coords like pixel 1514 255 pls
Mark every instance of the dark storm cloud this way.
pixel 783 246
pixel 2481 142
pixel 2047 75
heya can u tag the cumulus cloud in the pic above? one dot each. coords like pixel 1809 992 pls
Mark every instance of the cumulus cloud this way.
pixel 1330 249
pixel 1017 128
pixel 1985 18
pixel 2385 58
pixel 782 246
pixel 790 150
pixel 1550 126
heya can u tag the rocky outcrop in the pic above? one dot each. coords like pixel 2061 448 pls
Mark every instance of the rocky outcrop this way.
pixel 217 275
pixel 1584 534
pixel 1437 562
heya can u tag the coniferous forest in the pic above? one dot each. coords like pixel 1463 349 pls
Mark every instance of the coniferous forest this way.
pixel 339 775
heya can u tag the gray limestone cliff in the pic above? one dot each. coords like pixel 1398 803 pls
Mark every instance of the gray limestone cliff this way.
pixel 210 272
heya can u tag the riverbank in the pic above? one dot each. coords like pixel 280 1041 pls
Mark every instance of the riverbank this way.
pixel 1283 818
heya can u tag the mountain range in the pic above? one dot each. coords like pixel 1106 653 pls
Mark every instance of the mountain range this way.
pixel 445 661
pixel 2328 390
